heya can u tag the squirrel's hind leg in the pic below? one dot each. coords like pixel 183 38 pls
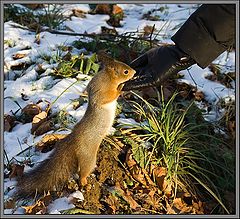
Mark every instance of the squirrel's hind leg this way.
pixel 85 170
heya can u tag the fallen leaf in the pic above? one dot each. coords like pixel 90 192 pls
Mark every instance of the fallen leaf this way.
pixel 10 204
pixel 185 90
pixel 106 30
pixel 148 30
pixel 214 69
pixel 169 209
pixel 199 95
pixel 198 207
pixel 79 13
pixel 34 209
pixel 46 126
pixel 127 196
pixel 103 9
pixel 138 173
pixel 48 142
pixel 29 111
pixel 17 171
pixel 19 66
pixel 72 185
pixel 40 206
pixel 211 77
pixel 112 203
pixel 159 173
pixel 47 198
pixel 18 56
pixel 38 120
pixel 117 10
pixel 8 122
pixel 39 69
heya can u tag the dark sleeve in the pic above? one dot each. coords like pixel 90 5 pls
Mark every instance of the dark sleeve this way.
pixel 208 32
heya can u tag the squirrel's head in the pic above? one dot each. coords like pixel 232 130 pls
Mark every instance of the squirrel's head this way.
pixel 119 71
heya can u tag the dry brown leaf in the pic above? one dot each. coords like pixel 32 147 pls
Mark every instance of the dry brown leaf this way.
pixel 9 204
pixel 34 209
pixel 48 141
pixel 17 171
pixel 38 120
pixel 40 206
pixel 179 203
pixel 211 77
pixel 44 127
pixel 170 210
pixel 18 56
pixel 102 9
pixel 152 198
pixel 106 30
pixel 138 173
pixel 186 90
pixel 117 10
pixel 112 203
pixel 198 207
pixel 8 122
pixel 30 111
pixel 129 159
pixel 39 117
pixel 47 198
pixel 19 66
pixel 79 13
pixel 214 69
pixel 199 95
pixel 147 177
pixel 148 30
pixel 39 69
pixel 127 196
pixel 72 185
pixel 159 174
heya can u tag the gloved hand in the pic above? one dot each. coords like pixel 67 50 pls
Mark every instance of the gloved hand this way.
pixel 157 65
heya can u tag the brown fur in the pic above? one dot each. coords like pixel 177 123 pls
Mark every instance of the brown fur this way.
pixel 77 152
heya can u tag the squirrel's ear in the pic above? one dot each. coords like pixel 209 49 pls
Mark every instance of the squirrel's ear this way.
pixel 104 58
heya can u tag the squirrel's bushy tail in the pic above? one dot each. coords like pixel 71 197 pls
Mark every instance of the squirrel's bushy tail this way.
pixel 54 171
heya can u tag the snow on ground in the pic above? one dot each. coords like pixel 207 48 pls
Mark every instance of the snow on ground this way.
pixel 47 88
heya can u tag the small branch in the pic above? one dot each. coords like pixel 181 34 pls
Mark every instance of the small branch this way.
pixel 192 78
pixel 153 28
pixel 5 153
pixel 108 37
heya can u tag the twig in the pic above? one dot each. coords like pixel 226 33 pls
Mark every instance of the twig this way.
pixel 153 28
pixel 103 36
pixel 192 78
pixel 23 151
pixel 5 153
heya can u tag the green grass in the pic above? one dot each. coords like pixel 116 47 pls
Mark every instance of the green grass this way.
pixel 180 147
pixel 77 64
pixel 50 16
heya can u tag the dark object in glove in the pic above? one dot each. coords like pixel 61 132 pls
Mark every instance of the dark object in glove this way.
pixel 157 65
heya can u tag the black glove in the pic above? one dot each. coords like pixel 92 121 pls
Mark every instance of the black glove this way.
pixel 157 65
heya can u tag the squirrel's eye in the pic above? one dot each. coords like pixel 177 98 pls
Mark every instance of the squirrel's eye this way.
pixel 125 72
